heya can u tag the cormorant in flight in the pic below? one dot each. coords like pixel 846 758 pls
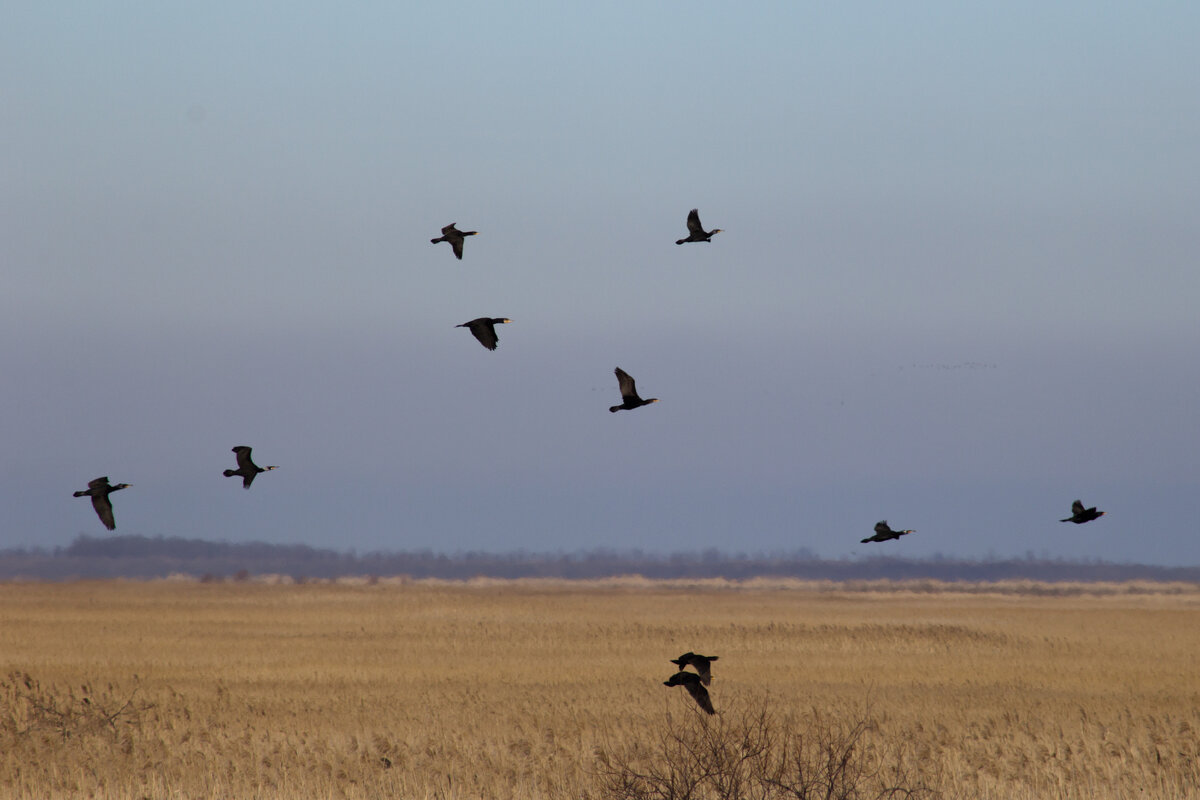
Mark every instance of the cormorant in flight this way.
pixel 691 681
pixel 703 665
pixel 883 533
pixel 246 468
pixel 99 490
pixel 1080 515
pixel 629 395
pixel 696 232
pixel 454 236
pixel 484 329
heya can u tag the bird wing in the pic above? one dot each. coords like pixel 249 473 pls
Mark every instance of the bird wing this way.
pixel 1076 507
pixel 485 332
pixel 694 221
pixel 98 483
pixel 456 244
pixel 700 695
pixel 882 527
pixel 248 478
pixel 103 507
pixel 450 230
pixel 628 387
pixel 704 670
pixel 243 457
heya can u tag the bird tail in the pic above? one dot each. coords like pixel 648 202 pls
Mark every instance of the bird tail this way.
pixel 1068 519
pixel 613 409
pixel 229 473
pixel 680 241
pixel 439 239
pixel 79 494
pixel 864 541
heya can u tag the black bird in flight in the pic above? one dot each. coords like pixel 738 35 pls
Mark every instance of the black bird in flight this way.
pixel 99 490
pixel 629 395
pixel 696 232
pixel 1080 515
pixel 691 681
pixel 246 468
pixel 454 236
pixel 703 665
pixel 883 533
pixel 484 329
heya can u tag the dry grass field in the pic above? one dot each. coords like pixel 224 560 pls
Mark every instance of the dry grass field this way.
pixel 179 689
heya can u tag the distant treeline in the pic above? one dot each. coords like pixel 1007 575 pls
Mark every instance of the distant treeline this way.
pixel 158 557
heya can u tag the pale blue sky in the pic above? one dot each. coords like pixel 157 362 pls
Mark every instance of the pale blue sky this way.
pixel 957 284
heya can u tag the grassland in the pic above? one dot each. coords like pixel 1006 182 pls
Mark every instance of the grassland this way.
pixel 178 689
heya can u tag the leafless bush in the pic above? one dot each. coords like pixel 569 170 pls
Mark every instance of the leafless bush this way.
pixel 26 707
pixel 757 752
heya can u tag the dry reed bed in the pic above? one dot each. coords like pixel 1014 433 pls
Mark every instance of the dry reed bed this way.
pixel 421 689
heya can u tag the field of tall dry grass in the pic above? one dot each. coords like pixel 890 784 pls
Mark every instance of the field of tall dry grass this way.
pixel 391 689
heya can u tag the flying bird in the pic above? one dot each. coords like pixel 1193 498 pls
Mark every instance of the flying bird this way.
pixel 99 490
pixel 629 395
pixel 246 468
pixel 1080 515
pixel 691 681
pixel 703 665
pixel 696 232
pixel 455 237
pixel 883 533
pixel 484 329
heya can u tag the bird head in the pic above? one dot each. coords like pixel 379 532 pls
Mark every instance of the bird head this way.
pixel 652 400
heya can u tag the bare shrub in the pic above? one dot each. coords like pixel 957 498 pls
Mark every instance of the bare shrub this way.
pixel 762 753
pixel 26 706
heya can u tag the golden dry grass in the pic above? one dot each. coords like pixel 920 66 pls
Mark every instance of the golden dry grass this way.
pixel 497 689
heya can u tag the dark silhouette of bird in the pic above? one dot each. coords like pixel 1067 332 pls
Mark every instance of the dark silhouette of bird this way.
pixel 99 490
pixel 246 468
pixel 1080 515
pixel 696 232
pixel 484 329
pixel 455 237
pixel 691 681
pixel 883 533
pixel 703 665
pixel 629 395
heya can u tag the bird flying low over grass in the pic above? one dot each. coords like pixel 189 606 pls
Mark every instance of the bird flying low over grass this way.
pixel 629 395
pixel 691 681
pixel 702 664
pixel 484 329
pixel 696 232
pixel 99 490
pixel 1080 515
pixel 883 533
pixel 246 468
pixel 455 237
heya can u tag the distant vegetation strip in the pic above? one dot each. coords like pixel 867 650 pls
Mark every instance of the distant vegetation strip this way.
pixel 159 557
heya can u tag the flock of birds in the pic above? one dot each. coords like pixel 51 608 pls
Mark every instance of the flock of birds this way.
pixel 484 330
